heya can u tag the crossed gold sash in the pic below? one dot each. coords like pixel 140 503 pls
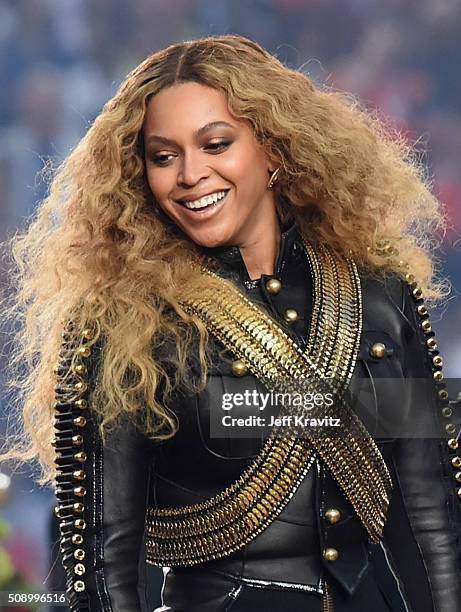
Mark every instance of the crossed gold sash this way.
pixel 229 520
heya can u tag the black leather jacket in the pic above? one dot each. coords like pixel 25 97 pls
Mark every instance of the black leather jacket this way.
pixel 415 568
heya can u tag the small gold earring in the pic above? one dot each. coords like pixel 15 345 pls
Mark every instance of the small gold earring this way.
pixel 273 178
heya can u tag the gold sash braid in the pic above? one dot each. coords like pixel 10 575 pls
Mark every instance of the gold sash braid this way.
pixel 227 522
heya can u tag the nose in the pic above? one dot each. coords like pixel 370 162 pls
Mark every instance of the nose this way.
pixel 192 169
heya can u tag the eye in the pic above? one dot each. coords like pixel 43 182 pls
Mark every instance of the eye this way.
pixel 162 159
pixel 217 147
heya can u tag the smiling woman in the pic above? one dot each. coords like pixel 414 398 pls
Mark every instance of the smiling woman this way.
pixel 225 229
pixel 198 173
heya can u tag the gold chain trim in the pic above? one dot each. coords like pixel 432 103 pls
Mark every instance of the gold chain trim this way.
pixel 228 521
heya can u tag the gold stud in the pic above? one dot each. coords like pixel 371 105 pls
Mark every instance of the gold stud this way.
pixel 421 310
pixel 79 569
pixel 453 443
pixel 79 554
pixel 79 421
pixel 82 404
pixel 291 315
pixel 431 344
pixel 273 286
pixel 332 515
pixel 378 350
pixel 447 412
pixel 239 368
pixel 79 524
pixel 80 369
pixel 79 586
pixel 80 386
pixel 427 327
pixel 78 507
pixel 438 361
pixel 417 292
pixel 450 428
pixel 84 351
pixel 88 334
pixel 443 394
pixel 77 538
pixel 81 457
pixel 409 278
pixel 458 476
pixel 80 491
pixel 77 440
pixel 330 554
pixel 79 475
pixel 438 375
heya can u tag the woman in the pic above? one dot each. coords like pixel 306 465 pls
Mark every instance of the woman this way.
pixel 225 230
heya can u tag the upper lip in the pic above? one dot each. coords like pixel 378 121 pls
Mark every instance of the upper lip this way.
pixel 191 197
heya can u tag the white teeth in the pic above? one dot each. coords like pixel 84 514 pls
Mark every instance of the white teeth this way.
pixel 206 200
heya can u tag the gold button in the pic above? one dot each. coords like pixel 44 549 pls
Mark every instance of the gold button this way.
pixel 456 462
pixel 80 369
pixel 80 421
pixel 273 286
pixel 458 476
pixel 443 394
pixel 80 491
pixel 459 493
pixel 450 428
pixel 77 440
pixel 378 350
pixel 438 361
pixel 291 315
pixel 239 368
pixel 452 443
pixel 438 375
pixel 77 539
pixel 79 475
pixel 78 507
pixel 330 554
pixel 79 524
pixel 81 456
pixel 447 412
pixel 332 515
pixel 431 344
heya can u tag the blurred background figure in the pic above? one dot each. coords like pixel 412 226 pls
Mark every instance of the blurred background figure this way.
pixel 60 60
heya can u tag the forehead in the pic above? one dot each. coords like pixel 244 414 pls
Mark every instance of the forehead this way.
pixel 185 107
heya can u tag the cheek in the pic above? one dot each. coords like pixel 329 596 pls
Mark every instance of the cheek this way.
pixel 159 183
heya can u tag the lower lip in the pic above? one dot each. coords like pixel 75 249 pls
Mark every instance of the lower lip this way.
pixel 204 213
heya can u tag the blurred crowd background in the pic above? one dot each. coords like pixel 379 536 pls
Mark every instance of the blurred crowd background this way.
pixel 60 60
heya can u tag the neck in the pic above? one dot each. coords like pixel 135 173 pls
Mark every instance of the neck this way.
pixel 261 250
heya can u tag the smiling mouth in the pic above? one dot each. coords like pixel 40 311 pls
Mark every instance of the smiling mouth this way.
pixel 206 202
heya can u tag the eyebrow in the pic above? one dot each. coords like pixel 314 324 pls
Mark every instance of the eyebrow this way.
pixel 200 132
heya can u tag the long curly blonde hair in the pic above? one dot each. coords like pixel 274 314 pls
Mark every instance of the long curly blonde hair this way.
pixel 98 251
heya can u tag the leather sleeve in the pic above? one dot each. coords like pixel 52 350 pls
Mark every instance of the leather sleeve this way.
pixel 101 490
pixel 424 463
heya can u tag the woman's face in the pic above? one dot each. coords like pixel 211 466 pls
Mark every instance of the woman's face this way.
pixel 205 168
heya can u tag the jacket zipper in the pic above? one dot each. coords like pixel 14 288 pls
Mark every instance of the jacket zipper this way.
pixel 327 600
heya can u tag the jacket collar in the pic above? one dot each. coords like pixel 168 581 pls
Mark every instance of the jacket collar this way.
pixel 228 260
